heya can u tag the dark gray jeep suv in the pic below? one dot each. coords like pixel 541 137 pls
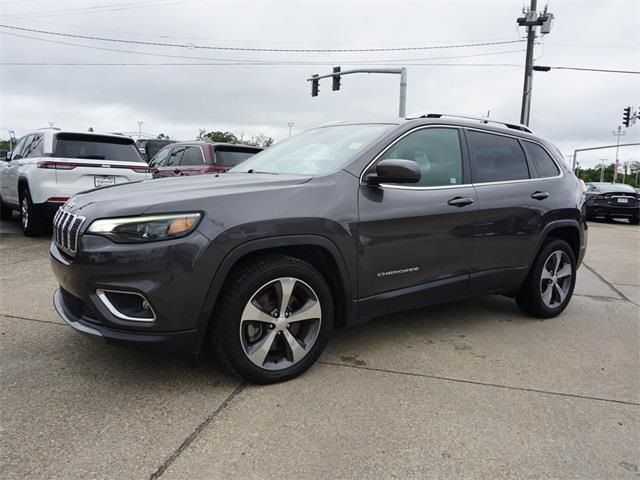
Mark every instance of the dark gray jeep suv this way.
pixel 327 229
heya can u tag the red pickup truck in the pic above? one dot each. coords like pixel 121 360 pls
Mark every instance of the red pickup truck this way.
pixel 196 158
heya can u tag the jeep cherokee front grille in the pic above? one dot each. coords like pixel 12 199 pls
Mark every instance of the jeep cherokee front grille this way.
pixel 66 228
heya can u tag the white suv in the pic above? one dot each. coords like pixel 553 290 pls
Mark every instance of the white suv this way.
pixel 48 166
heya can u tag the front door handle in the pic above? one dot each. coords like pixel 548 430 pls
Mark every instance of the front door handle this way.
pixel 460 201
pixel 540 195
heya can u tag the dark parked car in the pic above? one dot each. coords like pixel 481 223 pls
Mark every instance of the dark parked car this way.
pixel 195 158
pixel 150 147
pixel 327 229
pixel 612 200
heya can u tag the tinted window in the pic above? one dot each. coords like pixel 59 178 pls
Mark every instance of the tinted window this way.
pixel 192 156
pixel 232 157
pixel 543 163
pixel 98 147
pixel 497 158
pixel 35 148
pixel 160 159
pixel 437 152
pixel 176 156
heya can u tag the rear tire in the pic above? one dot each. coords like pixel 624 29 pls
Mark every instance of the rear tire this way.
pixel 32 222
pixel 253 337
pixel 549 286
pixel 6 213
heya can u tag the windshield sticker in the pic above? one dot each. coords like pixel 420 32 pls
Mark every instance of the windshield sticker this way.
pixel 355 146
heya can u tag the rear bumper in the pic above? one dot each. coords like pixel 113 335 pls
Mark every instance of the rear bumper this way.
pixel 613 211
pixel 179 342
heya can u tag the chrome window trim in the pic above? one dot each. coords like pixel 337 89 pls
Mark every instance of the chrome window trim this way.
pixel 101 293
pixel 404 187
pixel 442 187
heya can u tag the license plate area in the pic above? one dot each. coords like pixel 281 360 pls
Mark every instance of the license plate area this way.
pixel 104 180
pixel 623 200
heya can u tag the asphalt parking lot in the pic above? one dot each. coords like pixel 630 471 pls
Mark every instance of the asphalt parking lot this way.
pixel 469 389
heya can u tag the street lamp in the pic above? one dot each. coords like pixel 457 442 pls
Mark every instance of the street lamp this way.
pixel 291 124
pixel 140 123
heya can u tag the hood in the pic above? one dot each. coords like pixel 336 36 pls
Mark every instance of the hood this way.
pixel 136 198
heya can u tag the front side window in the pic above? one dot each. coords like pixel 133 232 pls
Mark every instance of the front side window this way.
pixel 17 151
pixel 497 158
pixel 543 163
pixel 96 147
pixel 192 156
pixel 160 159
pixel 176 156
pixel 315 152
pixel 436 151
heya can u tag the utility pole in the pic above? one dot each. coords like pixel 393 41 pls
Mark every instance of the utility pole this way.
pixel 602 169
pixel 290 124
pixel 531 19
pixel 619 133
pixel 337 73
pixel 140 123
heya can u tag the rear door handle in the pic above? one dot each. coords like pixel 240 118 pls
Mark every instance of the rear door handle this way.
pixel 540 195
pixel 460 201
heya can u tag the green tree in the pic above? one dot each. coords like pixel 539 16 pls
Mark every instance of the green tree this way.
pixel 260 140
pixel 217 136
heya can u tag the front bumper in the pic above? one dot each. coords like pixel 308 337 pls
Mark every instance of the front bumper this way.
pixel 173 276
pixel 180 342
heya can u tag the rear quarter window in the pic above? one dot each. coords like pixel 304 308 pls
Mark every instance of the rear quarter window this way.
pixel 96 147
pixel 542 162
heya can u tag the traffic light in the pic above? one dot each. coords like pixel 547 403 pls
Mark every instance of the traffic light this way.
pixel 336 78
pixel 315 85
pixel 626 117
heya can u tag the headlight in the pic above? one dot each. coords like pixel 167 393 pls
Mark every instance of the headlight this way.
pixel 147 228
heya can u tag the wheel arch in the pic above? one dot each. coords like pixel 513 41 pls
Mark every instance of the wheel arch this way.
pixel 317 250
pixel 568 230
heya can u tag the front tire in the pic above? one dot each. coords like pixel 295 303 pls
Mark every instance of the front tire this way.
pixel 635 221
pixel 30 219
pixel 550 283
pixel 273 320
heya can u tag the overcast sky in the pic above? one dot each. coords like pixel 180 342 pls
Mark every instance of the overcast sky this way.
pixel 572 109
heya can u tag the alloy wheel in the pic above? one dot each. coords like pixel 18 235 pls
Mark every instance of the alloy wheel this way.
pixel 24 212
pixel 555 280
pixel 280 323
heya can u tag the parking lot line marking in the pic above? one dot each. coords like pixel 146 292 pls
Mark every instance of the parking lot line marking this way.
pixel 613 287
pixel 485 384
pixel 15 317
pixel 189 440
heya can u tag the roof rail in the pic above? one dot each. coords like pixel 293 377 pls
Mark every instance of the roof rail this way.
pixel 514 126
pixel 49 128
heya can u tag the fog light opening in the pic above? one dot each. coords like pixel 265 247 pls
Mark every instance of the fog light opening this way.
pixel 130 306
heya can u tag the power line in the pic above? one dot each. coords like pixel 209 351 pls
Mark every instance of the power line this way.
pixel 604 70
pixel 192 46
pixel 248 61
pixel 114 7
pixel 201 64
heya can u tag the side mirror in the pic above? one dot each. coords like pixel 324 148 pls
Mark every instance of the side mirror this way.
pixel 8 159
pixel 394 170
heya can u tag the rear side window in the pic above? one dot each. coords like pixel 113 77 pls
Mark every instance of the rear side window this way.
pixel 232 157
pixel 497 158
pixel 192 156
pixel 436 151
pixel 96 147
pixel 35 148
pixel 543 163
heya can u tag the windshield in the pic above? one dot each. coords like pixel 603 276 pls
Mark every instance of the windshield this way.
pixel 96 147
pixel 314 152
